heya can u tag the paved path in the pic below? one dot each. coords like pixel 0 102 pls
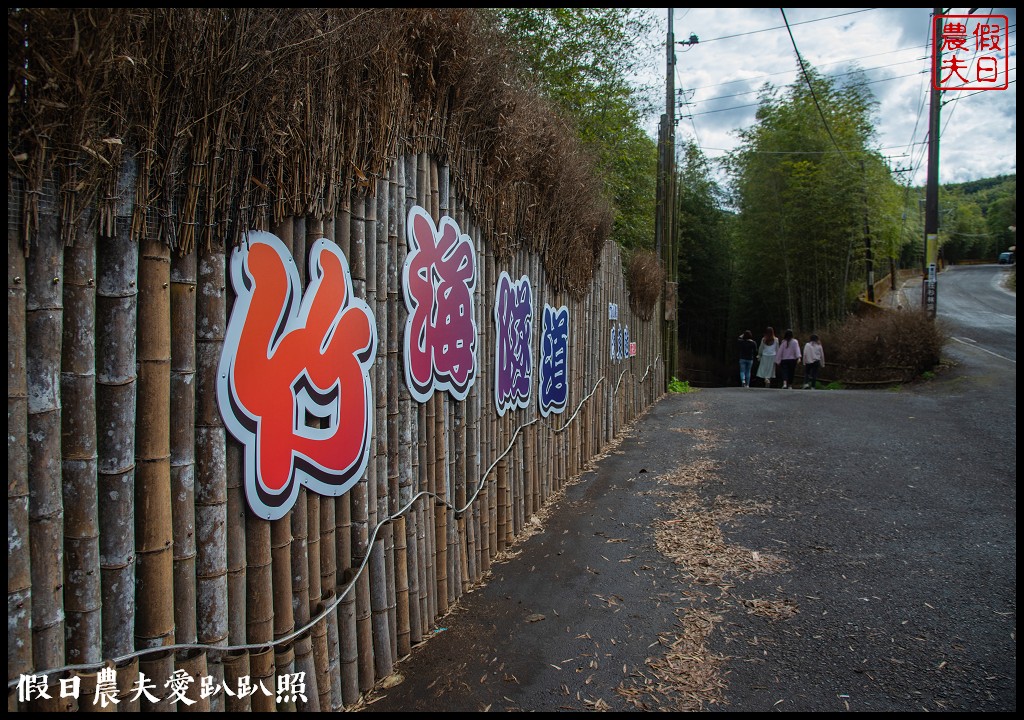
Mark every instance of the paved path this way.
pixel 753 549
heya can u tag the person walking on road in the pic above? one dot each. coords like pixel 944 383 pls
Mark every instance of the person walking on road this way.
pixel 787 357
pixel 748 350
pixel 766 356
pixel 814 361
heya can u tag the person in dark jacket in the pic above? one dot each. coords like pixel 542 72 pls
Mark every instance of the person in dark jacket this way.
pixel 748 351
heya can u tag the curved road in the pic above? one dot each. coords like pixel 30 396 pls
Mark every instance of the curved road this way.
pixel 756 550
pixel 972 299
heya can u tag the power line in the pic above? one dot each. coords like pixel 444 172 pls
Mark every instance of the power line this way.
pixel 779 27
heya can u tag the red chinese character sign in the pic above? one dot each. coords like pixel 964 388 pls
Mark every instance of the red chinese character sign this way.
pixel 974 52
pixel 293 384
pixel 439 277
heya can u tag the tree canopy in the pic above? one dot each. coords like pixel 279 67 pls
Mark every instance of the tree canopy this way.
pixel 583 59
pixel 815 203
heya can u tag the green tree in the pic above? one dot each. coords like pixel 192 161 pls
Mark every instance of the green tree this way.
pixel 583 59
pixel 704 257
pixel 811 195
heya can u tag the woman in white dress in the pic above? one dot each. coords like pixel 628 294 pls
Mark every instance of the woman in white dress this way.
pixel 766 356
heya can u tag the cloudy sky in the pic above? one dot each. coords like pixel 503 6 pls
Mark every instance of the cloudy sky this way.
pixel 740 49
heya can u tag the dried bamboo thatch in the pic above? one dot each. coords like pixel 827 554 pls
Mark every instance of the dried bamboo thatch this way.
pixel 229 140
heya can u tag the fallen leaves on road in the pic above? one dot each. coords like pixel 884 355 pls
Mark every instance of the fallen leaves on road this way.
pixel 687 676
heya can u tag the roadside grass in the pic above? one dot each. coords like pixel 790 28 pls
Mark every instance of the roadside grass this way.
pixel 676 385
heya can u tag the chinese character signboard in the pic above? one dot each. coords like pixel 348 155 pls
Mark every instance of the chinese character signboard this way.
pixel 554 360
pixel 439 278
pixel 974 52
pixel 293 384
pixel 513 361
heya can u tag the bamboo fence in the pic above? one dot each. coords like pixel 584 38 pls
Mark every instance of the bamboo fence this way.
pixel 131 548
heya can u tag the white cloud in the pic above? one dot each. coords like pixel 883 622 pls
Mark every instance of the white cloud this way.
pixel 742 48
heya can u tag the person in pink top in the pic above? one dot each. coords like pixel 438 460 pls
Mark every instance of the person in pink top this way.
pixel 786 358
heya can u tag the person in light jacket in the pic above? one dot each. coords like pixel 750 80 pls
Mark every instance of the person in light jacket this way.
pixel 787 357
pixel 766 356
pixel 814 361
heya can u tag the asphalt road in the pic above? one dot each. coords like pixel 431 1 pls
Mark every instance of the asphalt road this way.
pixel 746 549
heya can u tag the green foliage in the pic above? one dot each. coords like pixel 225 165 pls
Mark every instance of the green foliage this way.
pixel 975 218
pixel 810 193
pixel 676 385
pixel 704 257
pixel 582 58
pixel 834 385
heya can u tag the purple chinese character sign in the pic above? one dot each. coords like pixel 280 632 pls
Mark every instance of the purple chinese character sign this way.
pixel 439 277
pixel 290 356
pixel 554 360
pixel 513 362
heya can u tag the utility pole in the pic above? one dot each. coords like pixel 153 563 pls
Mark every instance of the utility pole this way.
pixel 868 256
pixel 665 216
pixel 929 282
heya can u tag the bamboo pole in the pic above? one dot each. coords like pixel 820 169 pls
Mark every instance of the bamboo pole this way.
pixel 312 511
pixel 377 479
pixel 408 482
pixel 82 592
pixel 211 456
pixel 398 401
pixel 154 559
pixel 305 665
pixel 237 539
pixel 440 605
pixel 87 699
pixel 261 667
pixel 158 668
pixel 116 303
pixel 240 597
pixel 387 482
pixel 44 320
pixel 473 428
pixel 360 494
pixel 127 686
pixel 381 640
pixel 485 499
pixel 19 571
pixel 321 661
pixel 182 443
pixel 335 699
pixel 348 634
pixel 292 234
pixel 420 480
pixel 284 666
pixel 193 662
pixel 236 667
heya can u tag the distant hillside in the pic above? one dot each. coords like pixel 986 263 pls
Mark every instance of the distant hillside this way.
pixel 976 218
